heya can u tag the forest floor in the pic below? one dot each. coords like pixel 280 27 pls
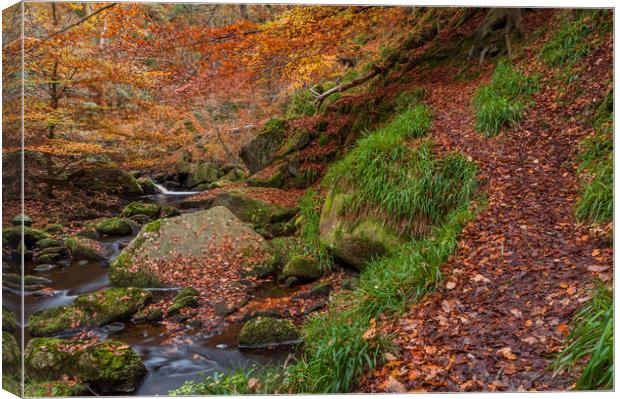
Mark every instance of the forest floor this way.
pixel 523 266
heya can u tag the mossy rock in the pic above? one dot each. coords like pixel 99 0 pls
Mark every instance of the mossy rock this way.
pixel 9 323
pixel 142 208
pixel 265 332
pixel 297 141
pixel 42 389
pixel 152 315
pixel 52 257
pixel 48 243
pixel 263 149
pixel 17 220
pixel 11 236
pixel 11 383
pixel 141 219
pixel 182 303
pixel 283 249
pixel 16 279
pixel 53 228
pixel 116 226
pixel 106 180
pixel 90 233
pixel 305 267
pixel 10 352
pixel 205 172
pixel 147 185
pixel 355 242
pixel 109 366
pixel 276 180
pixel 90 310
pixel 84 249
pixel 169 211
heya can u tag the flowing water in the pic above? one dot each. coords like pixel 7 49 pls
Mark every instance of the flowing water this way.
pixel 168 365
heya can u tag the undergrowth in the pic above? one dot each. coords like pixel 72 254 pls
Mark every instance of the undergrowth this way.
pixel 596 203
pixel 309 244
pixel 503 101
pixel 590 343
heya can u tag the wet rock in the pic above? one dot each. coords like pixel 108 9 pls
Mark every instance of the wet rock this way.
pixel 354 243
pixel 9 323
pixel 147 185
pixel 17 220
pixel 180 318
pixel 84 248
pixel 109 366
pixel 90 310
pixel 304 267
pixel 49 257
pixel 265 332
pixel 10 353
pixel 45 267
pixel 106 180
pixel 188 297
pixel 67 263
pixel 142 208
pixel 16 279
pixel 151 315
pixel 318 290
pixel 169 211
pixel 114 327
pixel 165 240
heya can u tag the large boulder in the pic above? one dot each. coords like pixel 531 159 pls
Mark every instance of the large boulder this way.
pixel 108 366
pixel 263 332
pixel 170 251
pixel 90 310
pixel 263 149
pixel 205 172
pixel 355 241
pixel 101 179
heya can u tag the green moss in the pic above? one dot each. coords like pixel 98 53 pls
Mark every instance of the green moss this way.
pixel 283 247
pixel 10 353
pixel 93 309
pixel 115 226
pixel 108 365
pixel 121 275
pixel 153 226
pixel 9 323
pixel 141 208
pixel 11 236
pixel 267 331
pixel 48 243
pixel 49 258
pixel 276 180
pixel 183 302
pixel 40 389
pixel 169 211
pixel 147 186
pixel 28 280
pixel 302 266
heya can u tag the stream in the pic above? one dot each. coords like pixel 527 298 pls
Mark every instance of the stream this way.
pixel 168 365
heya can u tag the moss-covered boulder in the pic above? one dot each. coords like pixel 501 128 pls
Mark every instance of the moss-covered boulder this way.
pixel 9 323
pixel 17 220
pixel 355 241
pixel 84 249
pixel 115 226
pixel 48 243
pixel 109 366
pixel 106 180
pixel 268 331
pixel 147 185
pixel 11 236
pixel 305 267
pixel 142 208
pixel 205 172
pixel 263 149
pixel 90 310
pixel 10 352
pixel 152 256
pixel 64 388
pixel 16 280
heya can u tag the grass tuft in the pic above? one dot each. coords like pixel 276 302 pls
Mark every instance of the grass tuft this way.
pixel 309 243
pixel 502 102
pixel 591 342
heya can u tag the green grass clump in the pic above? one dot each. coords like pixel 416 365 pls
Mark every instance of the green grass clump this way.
pixel 301 104
pixel 591 341
pixel 596 204
pixel 571 42
pixel 241 382
pixel 402 183
pixel 309 244
pixel 503 100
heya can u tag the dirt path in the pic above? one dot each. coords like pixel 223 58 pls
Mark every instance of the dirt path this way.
pixel 523 266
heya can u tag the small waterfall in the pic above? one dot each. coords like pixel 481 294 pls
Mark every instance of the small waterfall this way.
pixel 165 191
